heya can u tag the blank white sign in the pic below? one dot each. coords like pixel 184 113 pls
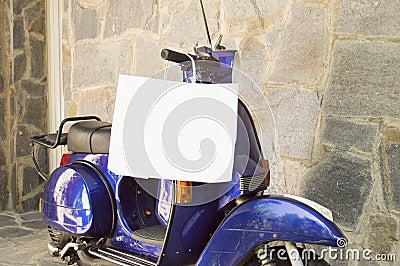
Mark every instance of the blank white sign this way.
pixel 174 130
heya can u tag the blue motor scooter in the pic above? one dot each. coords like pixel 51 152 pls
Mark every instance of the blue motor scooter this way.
pixel 96 217
pixel 94 214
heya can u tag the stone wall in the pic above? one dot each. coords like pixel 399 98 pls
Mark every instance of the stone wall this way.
pixel 3 107
pixel 330 70
pixel 23 101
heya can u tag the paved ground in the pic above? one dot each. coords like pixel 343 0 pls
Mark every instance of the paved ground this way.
pixel 23 240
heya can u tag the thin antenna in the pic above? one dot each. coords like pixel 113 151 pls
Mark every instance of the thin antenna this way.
pixel 205 22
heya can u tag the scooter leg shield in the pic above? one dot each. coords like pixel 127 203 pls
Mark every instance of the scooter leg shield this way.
pixel 265 219
pixel 76 200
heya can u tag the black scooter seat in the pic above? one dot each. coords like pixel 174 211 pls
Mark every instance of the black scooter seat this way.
pixel 89 137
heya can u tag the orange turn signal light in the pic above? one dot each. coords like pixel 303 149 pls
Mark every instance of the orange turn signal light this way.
pixel 183 191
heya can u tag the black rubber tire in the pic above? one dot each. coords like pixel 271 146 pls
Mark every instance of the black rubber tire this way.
pixel 59 238
pixel 252 260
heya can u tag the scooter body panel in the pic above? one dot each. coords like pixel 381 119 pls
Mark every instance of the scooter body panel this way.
pixel 265 219
pixel 189 231
pixel 76 201
pixel 131 203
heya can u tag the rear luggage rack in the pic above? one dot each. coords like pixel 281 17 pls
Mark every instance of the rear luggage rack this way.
pixel 50 140
pixel 121 258
pixel 54 140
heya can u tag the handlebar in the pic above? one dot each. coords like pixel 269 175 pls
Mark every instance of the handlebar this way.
pixel 173 56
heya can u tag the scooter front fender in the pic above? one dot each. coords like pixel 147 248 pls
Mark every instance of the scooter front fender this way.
pixel 265 219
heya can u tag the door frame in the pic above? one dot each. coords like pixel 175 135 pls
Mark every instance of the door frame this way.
pixel 54 13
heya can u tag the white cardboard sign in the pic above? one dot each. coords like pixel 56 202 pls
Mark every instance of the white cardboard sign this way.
pixel 174 130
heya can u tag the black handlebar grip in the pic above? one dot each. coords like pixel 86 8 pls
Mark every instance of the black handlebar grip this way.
pixel 173 56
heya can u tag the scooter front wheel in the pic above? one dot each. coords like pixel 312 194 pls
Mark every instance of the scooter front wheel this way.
pixel 278 256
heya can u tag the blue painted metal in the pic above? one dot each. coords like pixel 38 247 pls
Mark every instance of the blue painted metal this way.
pixel 164 201
pixel 265 219
pixel 189 231
pixel 225 57
pixel 221 71
pixel 122 240
pixel 79 207
pixel 132 201
pixel 76 201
